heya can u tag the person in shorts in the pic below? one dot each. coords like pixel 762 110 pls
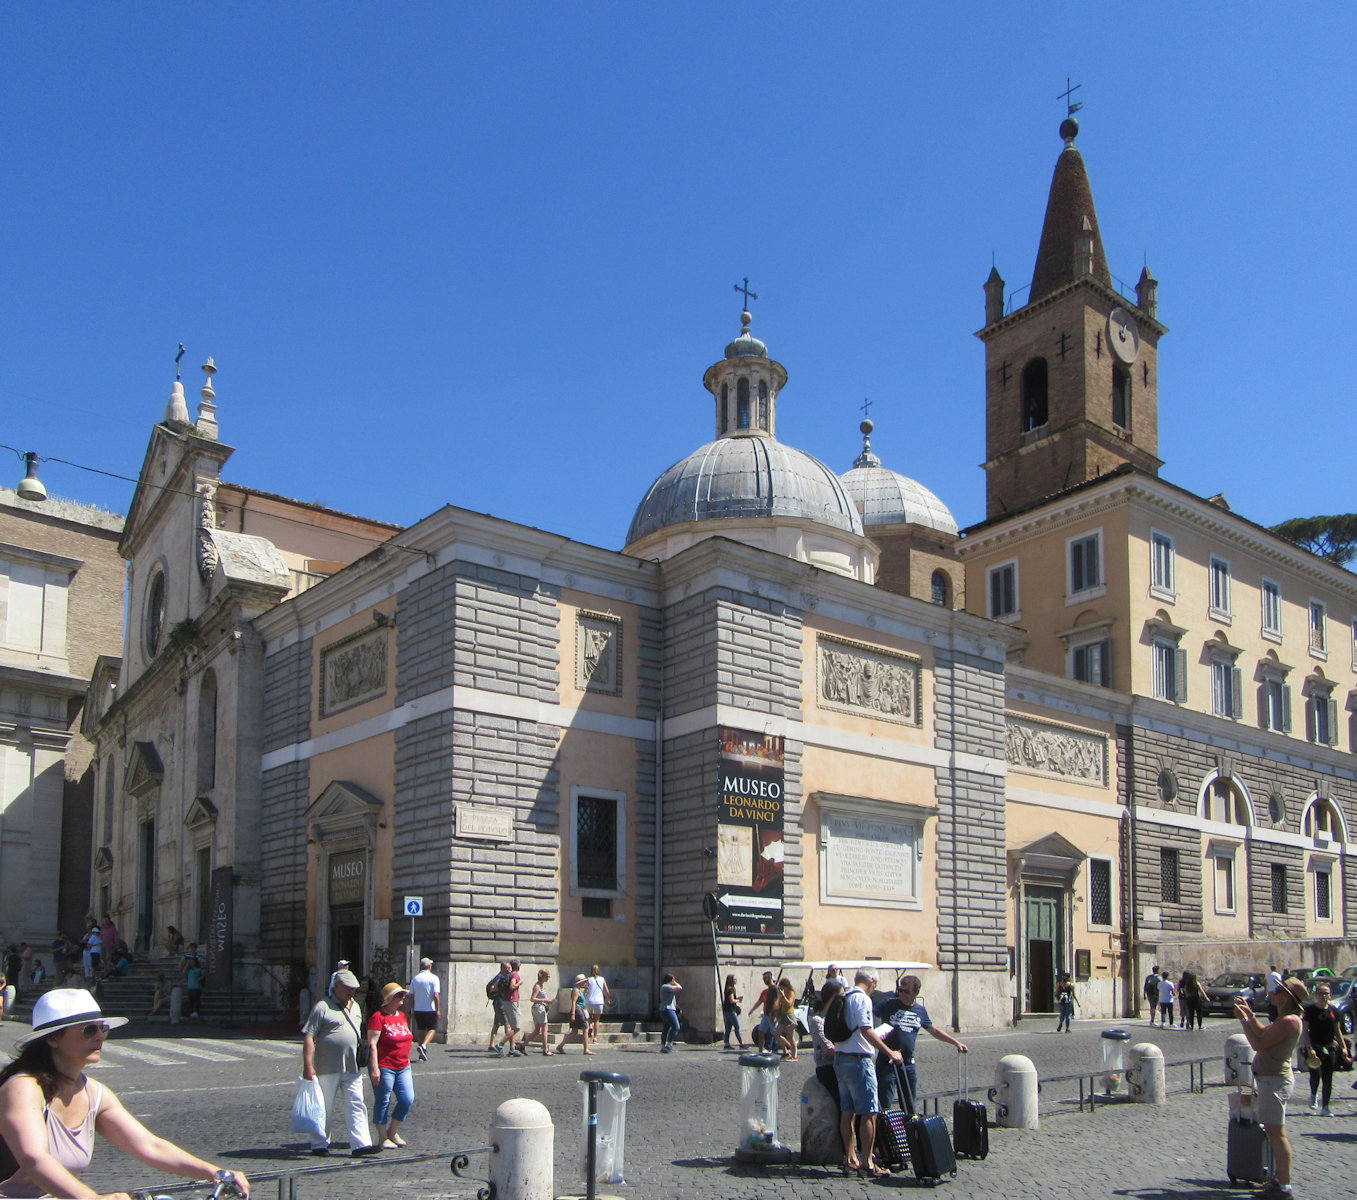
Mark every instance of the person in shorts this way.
pixel 508 1011
pixel 855 1070
pixel 596 995
pixel 1274 1047
pixel 424 993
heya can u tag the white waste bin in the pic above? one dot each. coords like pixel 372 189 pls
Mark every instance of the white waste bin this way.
pixel 758 1110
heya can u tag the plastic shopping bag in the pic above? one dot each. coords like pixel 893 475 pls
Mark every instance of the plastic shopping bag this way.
pixel 308 1110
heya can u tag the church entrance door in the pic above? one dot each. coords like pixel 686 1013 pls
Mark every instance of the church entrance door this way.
pixel 1045 949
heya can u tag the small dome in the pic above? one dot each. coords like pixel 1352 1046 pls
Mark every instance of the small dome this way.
pixel 884 497
pixel 746 345
pixel 739 478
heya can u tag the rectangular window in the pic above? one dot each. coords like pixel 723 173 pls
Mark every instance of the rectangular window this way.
pixel 1225 902
pixel 1170 672
pixel 1278 887
pixel 1099 891
pixel 1319 640
pixel 597 842
pixel 1276 706
pixel 1226 689
pixel 1354 645
pixel 1121 397
pixel 1092 663
pixel 1321 719
pixel 1272 608
pixel 1323 894
pixel 1220 589
pixel 1085 563
pixel 1003 591
pixel 1162 581
pixel 1168 876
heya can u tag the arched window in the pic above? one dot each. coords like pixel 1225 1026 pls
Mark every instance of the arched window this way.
pixel 763 404
pixel 1034 412
pixel 942 591
pixel 1224 802
pixel 1121 396
pixel 155 613
pixel 1321 820
pixel 742 404
pixel 207 733
pixel 724 417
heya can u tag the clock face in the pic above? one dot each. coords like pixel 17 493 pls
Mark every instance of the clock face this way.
pixel 1122 335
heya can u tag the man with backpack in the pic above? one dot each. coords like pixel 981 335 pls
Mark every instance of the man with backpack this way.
pixel 1152 991
pixel 492 993
pixel 850 1025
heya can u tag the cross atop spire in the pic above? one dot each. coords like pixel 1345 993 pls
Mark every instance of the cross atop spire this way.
pixel 748 295
pixel 866 406
pixel 1071 107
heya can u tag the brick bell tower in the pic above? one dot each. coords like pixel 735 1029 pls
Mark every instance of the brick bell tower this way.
pixel 1071 378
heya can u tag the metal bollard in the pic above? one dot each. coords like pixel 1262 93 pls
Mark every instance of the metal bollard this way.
pixel 1145 1073
pixel 1238 1061
pixel 1015 1092
pixel 522 1151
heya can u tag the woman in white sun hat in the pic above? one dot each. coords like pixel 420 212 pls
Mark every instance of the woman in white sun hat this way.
pixel 49 1110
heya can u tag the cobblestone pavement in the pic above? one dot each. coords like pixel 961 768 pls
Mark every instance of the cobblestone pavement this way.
pixel 228 1097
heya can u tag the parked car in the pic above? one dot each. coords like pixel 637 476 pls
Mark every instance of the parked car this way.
pixel 1307 975
pixel 1348 972
pixel 1222 991
pixel 1344 994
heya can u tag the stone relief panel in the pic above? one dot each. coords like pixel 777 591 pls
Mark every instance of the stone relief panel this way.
pixel 867 681
pixel 353 671
pixel 1040 748
pixel 598 653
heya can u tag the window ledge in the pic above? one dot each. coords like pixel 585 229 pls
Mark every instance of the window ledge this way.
pixel 1320 653
pixel 1219 614
pixel 1271 635
pixel 1164 594
pixel 1092 593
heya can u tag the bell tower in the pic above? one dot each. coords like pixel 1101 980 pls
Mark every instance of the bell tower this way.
pixel 1071 377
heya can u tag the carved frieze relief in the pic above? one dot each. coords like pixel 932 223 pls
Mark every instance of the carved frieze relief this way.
pixel 1041 748
pixel 867 681
pixel 353 671
pixel 598 653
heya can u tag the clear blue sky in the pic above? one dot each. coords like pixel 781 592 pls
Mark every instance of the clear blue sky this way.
pixel 482 254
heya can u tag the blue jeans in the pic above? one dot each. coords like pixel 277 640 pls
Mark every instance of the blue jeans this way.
pixel 401 1084
pixel 888 1092
pixel 733 1023
pixel 1066 1016
pixel 671 1026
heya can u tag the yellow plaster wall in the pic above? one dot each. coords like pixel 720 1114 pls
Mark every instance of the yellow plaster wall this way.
pixel 571 603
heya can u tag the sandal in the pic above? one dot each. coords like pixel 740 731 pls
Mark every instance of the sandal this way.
pixel 872 1172
pixel 549 1053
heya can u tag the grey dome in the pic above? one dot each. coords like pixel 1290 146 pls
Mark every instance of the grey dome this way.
pixel 887 498
pixel 743 477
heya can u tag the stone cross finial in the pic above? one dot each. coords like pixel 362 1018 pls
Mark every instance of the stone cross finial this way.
pixel 748 295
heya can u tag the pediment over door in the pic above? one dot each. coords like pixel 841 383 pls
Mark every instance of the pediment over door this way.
pixel 103 859
pixel 1049 859
pixel 144 771
pixel 342 808
pixel 201 813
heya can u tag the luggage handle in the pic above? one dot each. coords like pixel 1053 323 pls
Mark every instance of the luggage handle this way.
pixel 906 1092
pixel 963 1077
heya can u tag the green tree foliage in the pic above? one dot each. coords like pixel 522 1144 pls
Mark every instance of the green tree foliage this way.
pixel 1334 538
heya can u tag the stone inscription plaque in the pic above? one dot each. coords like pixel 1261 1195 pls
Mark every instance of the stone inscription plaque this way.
pixel 598 653
pixel 866 681
pixel 353 671
pixel 868 860
pixel 1038 748
pixel 487 824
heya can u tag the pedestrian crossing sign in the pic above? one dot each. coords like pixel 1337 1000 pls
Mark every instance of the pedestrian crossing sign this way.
pixel 414 906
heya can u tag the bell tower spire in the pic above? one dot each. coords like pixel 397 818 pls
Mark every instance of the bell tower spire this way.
pixel 1071 377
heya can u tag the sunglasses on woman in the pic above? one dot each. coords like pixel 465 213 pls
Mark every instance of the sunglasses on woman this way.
pixel 95 1028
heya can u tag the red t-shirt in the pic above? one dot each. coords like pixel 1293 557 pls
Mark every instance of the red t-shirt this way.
pixel 511 991
pixel 393 1045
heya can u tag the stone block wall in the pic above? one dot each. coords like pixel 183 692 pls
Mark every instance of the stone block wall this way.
pixel 968 697
pixel 1186 915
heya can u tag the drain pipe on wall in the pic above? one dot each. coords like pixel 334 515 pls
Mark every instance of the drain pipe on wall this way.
pixel 657 941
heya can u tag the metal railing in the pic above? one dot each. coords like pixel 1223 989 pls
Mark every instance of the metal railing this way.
pixel 288 1181
pixel 1093 1090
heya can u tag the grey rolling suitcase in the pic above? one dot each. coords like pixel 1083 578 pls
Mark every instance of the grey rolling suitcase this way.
pixel 1248 1154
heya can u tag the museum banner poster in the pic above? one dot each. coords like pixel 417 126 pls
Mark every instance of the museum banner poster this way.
pixel 749 845
pixel 220 932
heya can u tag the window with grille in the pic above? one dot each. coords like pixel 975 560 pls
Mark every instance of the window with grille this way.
pixel 1168 876
pixel 1323 897
pixel 596 843
pixel 1099 891
pixel 1279 887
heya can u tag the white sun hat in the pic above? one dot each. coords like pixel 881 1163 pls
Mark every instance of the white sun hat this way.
pixel 62 1008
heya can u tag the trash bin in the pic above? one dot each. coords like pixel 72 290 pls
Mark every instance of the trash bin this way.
pixel 1115 1043
pixel 605 1126
pixel 758 1110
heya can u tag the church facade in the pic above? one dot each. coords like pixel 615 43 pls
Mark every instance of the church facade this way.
pixel 799 712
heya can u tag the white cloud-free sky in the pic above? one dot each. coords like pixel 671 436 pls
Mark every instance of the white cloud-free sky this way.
pixel 482 254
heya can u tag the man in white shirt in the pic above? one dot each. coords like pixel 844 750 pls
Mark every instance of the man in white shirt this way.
pixel 424 992
pixel 854 1067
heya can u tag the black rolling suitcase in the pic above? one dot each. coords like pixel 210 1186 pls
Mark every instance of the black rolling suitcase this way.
pixel 1248 1153
pixel 970 1118
pixel 929 1144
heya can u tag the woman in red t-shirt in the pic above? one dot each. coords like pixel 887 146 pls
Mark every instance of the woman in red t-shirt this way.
pixel 389 1042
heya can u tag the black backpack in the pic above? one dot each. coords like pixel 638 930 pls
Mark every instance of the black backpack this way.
pixel 836 1026
pixel 495 988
